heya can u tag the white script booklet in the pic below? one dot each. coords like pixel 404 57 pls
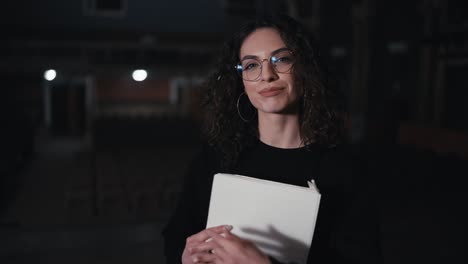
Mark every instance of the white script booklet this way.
pixel 279 218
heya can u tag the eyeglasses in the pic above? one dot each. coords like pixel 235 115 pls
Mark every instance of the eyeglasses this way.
pixel 250 68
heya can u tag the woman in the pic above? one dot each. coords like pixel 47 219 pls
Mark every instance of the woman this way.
pixel 271 114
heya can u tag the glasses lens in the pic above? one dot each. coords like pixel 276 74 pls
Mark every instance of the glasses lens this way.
pixel 283 61
pixel 251 69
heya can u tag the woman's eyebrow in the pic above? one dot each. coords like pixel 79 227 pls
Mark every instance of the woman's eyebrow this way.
pixel 249 57
pixel 278 50
pixel 271 54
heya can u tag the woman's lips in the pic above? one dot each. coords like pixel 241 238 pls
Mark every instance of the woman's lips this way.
pixel 268 92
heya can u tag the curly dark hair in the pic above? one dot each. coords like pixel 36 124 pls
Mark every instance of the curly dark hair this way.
pixel 320 117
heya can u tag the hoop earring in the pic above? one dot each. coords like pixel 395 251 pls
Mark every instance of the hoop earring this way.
pixel 239 112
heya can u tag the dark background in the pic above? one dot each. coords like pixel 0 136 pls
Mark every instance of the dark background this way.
pixel 92 161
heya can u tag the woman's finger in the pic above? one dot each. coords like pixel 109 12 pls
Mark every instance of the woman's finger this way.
pixel 202 236
pixel 204 257
pixel 220 243
pixel 203 247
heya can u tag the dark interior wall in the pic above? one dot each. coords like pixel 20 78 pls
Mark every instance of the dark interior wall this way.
pixel 21 113
pixel 336 39
pixel 456 97
pixel 120 88
pixel 396 42
pixel 397 35
pixel 160 16
pixel 21 100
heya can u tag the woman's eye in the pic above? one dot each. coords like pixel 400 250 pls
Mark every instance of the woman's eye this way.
pixel 283 59
pixel 250 66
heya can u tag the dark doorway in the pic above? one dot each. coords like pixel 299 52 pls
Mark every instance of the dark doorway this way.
pixel 68 109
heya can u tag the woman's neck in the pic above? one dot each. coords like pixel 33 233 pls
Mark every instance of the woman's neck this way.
pixel 279 130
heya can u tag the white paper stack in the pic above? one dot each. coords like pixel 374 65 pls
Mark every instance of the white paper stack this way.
pixel 279 218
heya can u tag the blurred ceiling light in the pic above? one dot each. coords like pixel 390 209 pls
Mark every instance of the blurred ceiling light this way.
pixel 50 75
pixel 139 75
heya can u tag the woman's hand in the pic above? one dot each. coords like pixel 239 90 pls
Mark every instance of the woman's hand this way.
pixel 198 246
pixel 227 248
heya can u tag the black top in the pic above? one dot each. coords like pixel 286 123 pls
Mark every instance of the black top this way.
pixel 345 231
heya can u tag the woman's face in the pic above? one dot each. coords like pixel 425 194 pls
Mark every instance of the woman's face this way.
pixel 272 92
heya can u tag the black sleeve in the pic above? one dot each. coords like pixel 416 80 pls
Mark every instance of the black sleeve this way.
pixel 189 216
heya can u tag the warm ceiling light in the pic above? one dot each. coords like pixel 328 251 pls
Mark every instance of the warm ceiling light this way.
pixel 50 75
pixel 139 75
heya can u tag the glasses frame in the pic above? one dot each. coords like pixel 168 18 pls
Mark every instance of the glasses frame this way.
pixel 239 69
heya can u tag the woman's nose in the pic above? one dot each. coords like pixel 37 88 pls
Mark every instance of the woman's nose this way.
pixel 268 71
